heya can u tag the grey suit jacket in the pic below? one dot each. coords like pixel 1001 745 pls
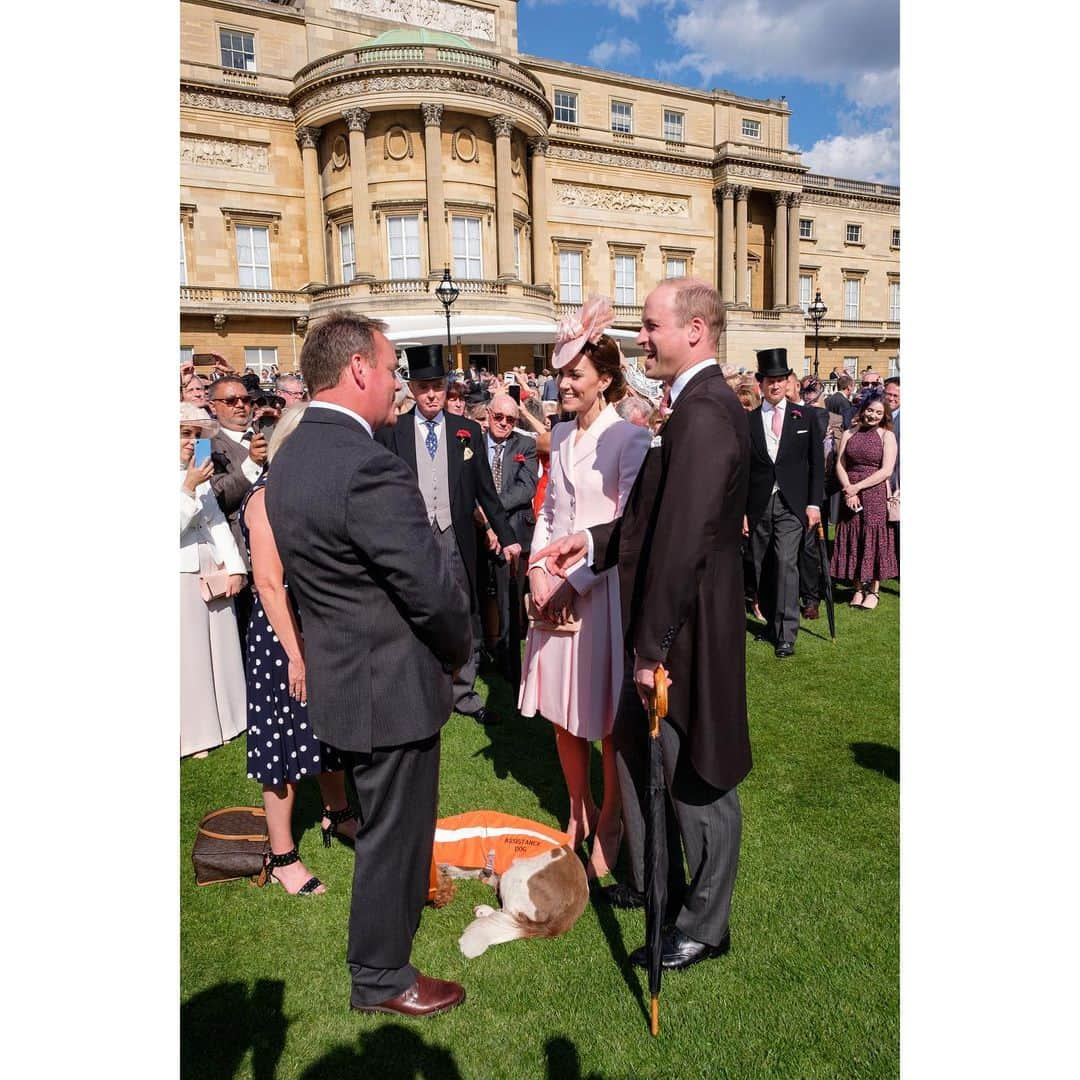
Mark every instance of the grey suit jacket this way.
pixel 385 621
pixel 896 467
pixel 519 479
pixel 229 484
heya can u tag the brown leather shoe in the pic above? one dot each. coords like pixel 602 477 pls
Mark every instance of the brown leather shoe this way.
pixel 810 612
pixel 425 997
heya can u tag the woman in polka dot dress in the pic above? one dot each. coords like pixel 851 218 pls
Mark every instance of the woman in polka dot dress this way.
pixel 282 749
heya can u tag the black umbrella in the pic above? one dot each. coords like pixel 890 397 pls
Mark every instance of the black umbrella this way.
pixel 826 581
pixel 656 854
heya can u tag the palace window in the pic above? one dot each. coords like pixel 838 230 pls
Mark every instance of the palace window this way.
pixel 468 259
pixel 851 365
pixel 259 358
pixel 183 257
pixel 517 254
pixel 187 354
pixel 675 268
pixel 348 252
pixel 854 234
pixel 806 286
pixel 806 228
pixel 237 50
pixel 673 125
pixel 253 256
pixel 894 301
pixel 894 365
pixel 570 277
pixel 625 279
pixel 565 107
pixel 852 288
pixel 622 117
pixel 806 365
pixel 403 234
pixel 895 238
pixel 751 129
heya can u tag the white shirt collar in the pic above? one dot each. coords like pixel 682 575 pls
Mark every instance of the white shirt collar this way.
pixel 420 419
pixel 781 405
pixel 679 384
pixel 236 436
pixel 341 409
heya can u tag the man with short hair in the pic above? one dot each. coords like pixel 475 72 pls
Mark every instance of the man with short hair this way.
pixel 840 401
pixel 446 455
pixel 514 469
pixel 870 378
pixel 386 622
pixel 677 549
pixel 892 403
pixel 787 472
pixel 635 409
pixel 291 388
pixel 239 456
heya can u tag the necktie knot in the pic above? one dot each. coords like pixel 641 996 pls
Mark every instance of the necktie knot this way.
pixel 432 441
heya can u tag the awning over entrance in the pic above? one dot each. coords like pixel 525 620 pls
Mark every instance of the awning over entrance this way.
pixel 482 330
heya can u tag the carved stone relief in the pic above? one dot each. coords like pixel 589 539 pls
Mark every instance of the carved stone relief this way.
pixel 339 152
pixel 433 14
pixel 463 145
pixel 224 153
pixel 602 198
pixel 629 161
pixel 247 106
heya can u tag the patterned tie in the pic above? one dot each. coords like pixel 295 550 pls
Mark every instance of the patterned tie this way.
pixel 431 442
pixel 496 466
pixel 777 422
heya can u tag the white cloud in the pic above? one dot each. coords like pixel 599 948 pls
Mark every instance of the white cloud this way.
pixel 603 52
pixel 873 155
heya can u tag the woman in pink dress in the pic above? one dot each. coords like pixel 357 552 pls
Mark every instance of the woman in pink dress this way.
pixel 572 670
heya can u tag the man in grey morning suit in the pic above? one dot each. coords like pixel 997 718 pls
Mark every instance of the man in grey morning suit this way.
pixel 385 625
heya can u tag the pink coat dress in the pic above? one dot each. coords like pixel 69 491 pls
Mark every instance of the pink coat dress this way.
pixel 573 680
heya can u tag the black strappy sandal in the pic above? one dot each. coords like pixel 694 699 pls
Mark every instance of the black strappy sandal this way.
pixel 336 817
pixel 271 862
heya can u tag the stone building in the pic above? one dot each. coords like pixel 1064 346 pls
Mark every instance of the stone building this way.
pixel 342 153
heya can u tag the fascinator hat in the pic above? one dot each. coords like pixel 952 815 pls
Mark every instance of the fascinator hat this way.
pixel 868 394
pixel 193 416
pixel 574 332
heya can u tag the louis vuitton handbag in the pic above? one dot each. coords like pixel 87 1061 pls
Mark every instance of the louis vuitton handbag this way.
pixel 230 844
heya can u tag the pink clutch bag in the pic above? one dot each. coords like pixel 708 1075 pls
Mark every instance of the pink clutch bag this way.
pixel 214 586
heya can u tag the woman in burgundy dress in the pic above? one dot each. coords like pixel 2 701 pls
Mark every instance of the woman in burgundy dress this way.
pixel 863 552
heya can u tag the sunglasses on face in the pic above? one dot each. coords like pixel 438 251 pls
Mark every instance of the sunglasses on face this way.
pixel 501 418
pixel 233 400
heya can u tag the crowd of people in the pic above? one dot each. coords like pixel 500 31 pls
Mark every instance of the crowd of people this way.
pixel 356 547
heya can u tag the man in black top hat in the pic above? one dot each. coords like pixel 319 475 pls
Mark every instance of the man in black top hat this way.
pixel 448 456
pixel 787 470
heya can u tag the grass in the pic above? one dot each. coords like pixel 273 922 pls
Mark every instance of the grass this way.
pixel 810 989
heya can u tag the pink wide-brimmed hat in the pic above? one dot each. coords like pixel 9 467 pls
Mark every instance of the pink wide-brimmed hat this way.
pixel 595 316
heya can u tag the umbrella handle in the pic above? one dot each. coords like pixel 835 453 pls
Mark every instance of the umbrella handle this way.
pixel 820 531
pixel 658 707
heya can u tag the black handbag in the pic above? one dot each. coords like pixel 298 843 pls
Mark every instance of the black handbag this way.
pixel 230 844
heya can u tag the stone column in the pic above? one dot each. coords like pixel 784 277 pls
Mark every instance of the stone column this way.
pixel 503 127
pixel 308 138
pixel 741 291
pixel 541 234
pixel 780 267
pixel 437 231
pixel 363 245
pixel 727 243
pixel 794 202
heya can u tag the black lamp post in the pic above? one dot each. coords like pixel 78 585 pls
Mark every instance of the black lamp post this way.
pixel 448 292
pixel 816 312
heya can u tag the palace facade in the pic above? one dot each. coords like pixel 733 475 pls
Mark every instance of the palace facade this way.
pixel 342 153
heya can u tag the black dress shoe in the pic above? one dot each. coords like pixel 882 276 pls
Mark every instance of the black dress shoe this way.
pixel 486 717
pixel 785 649
pixel 623 896
pixel 679 951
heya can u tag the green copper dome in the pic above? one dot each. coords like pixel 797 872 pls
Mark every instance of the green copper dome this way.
pixel 418 37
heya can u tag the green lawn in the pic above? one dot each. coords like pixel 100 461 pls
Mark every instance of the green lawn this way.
pixel 810 988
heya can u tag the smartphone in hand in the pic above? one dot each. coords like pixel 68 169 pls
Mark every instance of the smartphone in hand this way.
pixel 202 452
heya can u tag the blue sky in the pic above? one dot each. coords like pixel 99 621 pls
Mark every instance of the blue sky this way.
pixel 836 61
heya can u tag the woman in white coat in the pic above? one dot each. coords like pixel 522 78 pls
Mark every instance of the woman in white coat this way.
pixel 573 678
pixel 213 699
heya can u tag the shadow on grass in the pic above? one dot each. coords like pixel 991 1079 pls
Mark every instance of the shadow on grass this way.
pixel 878 758
pixel 391 1052
pixel 563 1062
pixel 611 930
pixel 217 1026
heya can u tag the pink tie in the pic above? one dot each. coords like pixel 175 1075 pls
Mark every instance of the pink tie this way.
pixel 777 422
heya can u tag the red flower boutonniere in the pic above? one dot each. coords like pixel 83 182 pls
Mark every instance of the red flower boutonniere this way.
pixel 519 458
pixel 795 413
pixel 464 434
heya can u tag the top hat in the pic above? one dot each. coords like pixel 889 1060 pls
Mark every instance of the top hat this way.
pixel 425 362
pixel 772 363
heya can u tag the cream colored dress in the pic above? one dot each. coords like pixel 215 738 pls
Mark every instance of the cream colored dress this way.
pixel 213 697
pixel 573 680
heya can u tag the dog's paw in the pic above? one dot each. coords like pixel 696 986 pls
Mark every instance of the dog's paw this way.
pixel 482 911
